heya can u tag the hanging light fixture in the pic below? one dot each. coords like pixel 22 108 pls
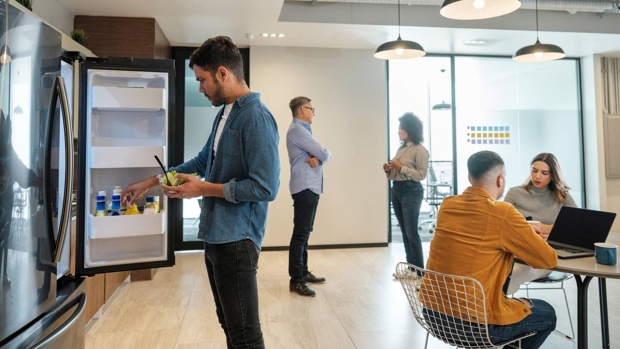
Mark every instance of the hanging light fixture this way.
pixel 442 106
pixel 399 48
pixel 538 52
pixel 5 55
pixel 477 9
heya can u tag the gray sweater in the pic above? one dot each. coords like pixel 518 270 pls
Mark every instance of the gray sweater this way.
pixel 537 203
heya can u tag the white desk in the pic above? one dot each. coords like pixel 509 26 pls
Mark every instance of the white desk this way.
pixel 588 268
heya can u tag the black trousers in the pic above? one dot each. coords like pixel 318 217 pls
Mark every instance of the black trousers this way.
pixel 305 203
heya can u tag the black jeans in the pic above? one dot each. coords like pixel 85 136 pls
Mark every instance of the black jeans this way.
pixel 305 202
pixel 407 198
pixel 232 274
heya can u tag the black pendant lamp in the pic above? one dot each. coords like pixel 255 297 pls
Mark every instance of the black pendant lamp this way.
pixel 399 48
pixel 477 9
pixel 538 52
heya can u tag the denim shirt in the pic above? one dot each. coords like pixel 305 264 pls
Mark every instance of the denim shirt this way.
pixel 248 164
pixel 301 145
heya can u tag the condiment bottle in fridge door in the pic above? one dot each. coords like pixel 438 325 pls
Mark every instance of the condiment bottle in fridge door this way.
pixel 116 204
pixel 152 205
pixel 101 210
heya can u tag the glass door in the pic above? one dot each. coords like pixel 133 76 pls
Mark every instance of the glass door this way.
pixel 195 117
pixel 423 86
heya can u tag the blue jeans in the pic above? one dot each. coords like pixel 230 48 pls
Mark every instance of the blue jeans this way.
pixel 305 204
pixel 232 275
pixel 406 201
pixel 542 320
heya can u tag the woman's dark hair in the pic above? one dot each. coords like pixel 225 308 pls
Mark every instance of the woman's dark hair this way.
pixel 217 52
pixel 413 126
pixel 558 185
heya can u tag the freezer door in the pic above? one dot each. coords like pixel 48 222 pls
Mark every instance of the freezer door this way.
pixel 62 327
pixel 126 108
pixel 30 190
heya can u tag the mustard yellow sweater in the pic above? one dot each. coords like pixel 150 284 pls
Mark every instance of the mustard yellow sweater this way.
pixel 478 237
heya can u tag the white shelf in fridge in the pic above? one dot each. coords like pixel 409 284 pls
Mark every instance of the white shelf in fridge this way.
pixel 128 98
pixel 108 227
pixel 125 157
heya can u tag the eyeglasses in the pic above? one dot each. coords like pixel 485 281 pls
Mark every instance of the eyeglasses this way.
pixel 313 109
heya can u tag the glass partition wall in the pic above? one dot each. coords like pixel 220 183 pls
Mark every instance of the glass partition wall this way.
pixel 469 104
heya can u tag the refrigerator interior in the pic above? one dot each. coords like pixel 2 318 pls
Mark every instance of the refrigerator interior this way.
pixel 126 126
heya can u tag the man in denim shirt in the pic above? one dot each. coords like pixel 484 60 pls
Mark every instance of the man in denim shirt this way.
pixel 307 158
pixel 241 170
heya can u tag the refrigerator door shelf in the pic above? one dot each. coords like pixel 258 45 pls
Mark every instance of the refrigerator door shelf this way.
pixel 125 226
pixel 129 98
pixel 125 157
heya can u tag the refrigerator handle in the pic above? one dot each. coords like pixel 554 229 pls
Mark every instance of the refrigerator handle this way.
pixel 71 322
pixel 60 92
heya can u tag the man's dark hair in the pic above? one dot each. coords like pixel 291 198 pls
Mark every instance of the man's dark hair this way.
pixel 217 52
pixel 297 102
pixel 413 126
pixel 482 162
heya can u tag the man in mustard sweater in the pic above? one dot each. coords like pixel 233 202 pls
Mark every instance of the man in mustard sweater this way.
pixel 481 236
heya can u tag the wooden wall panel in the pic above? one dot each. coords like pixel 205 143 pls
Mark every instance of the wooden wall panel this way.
pixel 94 295
pixel 113 282
pixel 123 36
pixel 163 50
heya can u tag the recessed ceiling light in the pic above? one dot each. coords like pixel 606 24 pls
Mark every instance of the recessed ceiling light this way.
pixel 475 42
pixel 273 35
pixel 281 35
pixel 264 35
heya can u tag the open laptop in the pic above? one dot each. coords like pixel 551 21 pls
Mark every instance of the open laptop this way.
pixel 576 230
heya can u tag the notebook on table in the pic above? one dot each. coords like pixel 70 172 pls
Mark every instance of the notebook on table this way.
pixel 576 230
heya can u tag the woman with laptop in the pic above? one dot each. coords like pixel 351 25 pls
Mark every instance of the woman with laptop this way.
pixel 540 199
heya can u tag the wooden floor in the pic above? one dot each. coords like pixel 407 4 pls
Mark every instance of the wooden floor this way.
pixel 360 306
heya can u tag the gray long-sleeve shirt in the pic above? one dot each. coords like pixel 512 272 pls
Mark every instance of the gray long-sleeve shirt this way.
pixel 540 204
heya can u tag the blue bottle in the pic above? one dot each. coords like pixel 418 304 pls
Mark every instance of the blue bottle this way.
pixel 116 205
pixel 101 210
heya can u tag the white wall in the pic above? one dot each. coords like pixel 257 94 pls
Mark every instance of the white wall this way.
pixel 602 191
pixel 348 90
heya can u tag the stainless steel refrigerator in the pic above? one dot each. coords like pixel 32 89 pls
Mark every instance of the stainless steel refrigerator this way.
pixel 50 174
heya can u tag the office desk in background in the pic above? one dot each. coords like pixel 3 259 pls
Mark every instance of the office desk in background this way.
pixel 588 269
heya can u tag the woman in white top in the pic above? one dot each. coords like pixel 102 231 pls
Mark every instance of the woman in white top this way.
pixel 540 198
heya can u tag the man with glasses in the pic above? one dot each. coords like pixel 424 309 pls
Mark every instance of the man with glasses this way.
pixel 307 157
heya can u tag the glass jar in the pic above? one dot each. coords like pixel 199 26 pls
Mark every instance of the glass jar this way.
pixel 152 205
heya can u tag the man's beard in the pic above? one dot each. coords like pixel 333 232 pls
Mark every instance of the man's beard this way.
pixel 218 97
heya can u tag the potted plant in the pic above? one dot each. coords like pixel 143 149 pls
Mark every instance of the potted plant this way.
pixel 26 3
pixel 79 35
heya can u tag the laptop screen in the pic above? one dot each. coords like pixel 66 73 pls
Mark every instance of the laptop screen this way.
pixel 581 227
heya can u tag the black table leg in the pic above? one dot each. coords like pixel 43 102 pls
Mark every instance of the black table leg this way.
pixel 602 293
pixel 582 311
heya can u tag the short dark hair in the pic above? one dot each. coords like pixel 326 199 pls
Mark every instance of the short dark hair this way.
pixel 413 126
pixel 217 52
pixel 297 102
pixel 482 162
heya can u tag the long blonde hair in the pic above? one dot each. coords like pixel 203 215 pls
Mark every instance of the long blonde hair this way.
pixel 558 185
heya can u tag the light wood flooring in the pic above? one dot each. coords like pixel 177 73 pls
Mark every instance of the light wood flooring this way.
pixel 360 306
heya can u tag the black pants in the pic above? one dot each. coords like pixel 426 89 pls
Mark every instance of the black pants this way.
pixel 231 269
pixel 305 203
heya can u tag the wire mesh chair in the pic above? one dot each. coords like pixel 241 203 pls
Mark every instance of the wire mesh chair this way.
pixel 553 278
pixel 451 308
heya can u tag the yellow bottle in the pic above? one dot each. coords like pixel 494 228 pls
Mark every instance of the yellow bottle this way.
pixel 133 209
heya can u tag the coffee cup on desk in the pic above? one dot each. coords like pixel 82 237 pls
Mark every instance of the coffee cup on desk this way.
pixel 606 253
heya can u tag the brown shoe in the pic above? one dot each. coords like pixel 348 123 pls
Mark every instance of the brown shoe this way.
pixel 301 289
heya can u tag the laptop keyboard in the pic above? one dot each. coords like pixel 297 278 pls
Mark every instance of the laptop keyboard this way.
pixel 565 248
